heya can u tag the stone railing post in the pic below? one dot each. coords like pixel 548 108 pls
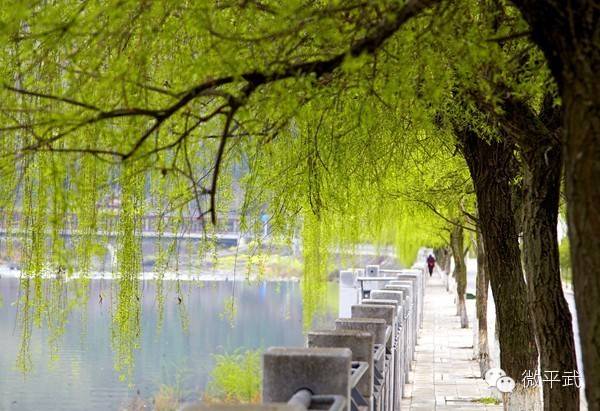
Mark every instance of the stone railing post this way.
pixel 382 342
pixel 348 294
pixel 399 297
pixel 409 295
pixel 361 343
pixel 389 314
pixel 399 348
pixel 323 372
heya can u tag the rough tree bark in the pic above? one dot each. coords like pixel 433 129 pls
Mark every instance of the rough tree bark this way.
pixel 481 302
pixel 550 310
pixel 460 273
pixel 583 209
pixel 540 147
pixel 492 171
pixel 569 36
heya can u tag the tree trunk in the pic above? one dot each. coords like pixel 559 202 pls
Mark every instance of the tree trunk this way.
pixel 460 273
pixel 540 144
pixel 491 168
pixel 448 267
pixel 569 37
pixel 481 302
pixel 583 208
pixel 445 264
pixel 550 311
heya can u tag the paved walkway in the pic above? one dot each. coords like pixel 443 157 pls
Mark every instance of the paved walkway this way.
pixel 445 377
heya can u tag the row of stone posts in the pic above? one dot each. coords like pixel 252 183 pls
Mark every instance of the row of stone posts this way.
pixel 362 362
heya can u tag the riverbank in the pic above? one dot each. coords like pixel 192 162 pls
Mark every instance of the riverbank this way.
pixel 221 275
pixel 225 265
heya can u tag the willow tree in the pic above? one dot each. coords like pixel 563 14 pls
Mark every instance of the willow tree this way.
pixel 67 71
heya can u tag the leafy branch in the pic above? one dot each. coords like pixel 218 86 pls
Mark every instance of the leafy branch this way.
pixel 252 80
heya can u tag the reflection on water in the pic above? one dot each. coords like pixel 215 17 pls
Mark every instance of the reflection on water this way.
pixel 70 359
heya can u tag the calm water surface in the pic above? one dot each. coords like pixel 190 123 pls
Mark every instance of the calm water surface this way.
pixel 83 377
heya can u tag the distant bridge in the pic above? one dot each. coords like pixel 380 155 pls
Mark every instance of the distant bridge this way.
pixel 189 228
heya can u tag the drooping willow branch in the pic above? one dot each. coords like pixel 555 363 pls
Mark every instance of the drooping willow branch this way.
pixel 250 80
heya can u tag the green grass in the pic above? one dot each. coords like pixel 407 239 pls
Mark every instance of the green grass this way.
pixel 487 401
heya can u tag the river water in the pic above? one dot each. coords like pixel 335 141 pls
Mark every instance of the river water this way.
pixel 81 375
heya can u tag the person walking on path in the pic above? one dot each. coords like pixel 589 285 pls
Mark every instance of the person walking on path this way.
pixel 430 264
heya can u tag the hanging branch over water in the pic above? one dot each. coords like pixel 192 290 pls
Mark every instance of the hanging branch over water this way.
pixel 212 88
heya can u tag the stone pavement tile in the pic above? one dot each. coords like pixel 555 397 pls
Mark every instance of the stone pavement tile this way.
pixel 423 394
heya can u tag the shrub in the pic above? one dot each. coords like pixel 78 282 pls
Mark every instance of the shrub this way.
pixel 236 378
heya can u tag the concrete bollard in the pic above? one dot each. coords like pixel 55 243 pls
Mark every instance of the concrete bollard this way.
pixel 348 292
pixel 323 371
pixel 408 289
pixel 419 295
pixel 382 335
pixel 375 326
pixel 384 312
pixel 409 296
pixel 398 312
pixel 408 348
pixel 399 297
pixel 401 332
pixel 361 345
pixel 401 341
pixel 412 288
pixel 389 314
pixel 420 277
